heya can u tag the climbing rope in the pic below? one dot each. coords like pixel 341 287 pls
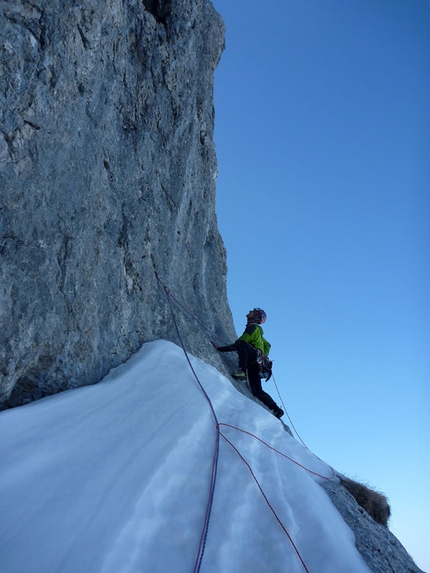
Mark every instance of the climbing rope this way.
pixel 259 485
pixel 280 453
pixel 288 416
pixel 204 534
pixel 190 313
pixel 267 501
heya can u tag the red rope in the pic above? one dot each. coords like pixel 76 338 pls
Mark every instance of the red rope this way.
pixel 280 453
pixel 266 500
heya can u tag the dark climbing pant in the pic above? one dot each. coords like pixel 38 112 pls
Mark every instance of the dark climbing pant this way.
pixel 248 363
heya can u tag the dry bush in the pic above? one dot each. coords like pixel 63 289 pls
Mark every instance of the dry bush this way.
pixel 374 502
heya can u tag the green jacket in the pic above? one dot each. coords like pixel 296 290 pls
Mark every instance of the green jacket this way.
pixel 254 335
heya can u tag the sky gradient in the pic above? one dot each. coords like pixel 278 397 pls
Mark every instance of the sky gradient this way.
pixel 323 199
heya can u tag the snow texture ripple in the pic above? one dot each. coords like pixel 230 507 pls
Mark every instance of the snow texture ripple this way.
pixel 115 477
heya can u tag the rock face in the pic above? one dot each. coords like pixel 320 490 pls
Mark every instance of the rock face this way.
pixel 107 174
pixel 380 549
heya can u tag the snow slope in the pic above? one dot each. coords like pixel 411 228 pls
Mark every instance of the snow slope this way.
pixel 115 478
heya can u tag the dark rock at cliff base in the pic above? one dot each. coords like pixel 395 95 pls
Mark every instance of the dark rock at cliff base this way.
pixel 107 173
pixel 380 549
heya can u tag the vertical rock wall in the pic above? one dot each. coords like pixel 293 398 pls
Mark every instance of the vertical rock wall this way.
pixel 107 173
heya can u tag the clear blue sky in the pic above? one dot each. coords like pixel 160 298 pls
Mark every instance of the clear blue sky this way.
pixel 323 201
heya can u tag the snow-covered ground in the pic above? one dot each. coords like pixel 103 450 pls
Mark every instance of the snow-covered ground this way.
pixel 115 478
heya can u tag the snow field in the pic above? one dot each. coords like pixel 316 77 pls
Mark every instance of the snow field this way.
pixel 115 478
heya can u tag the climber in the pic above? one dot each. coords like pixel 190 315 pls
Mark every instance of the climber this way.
pixel 252 348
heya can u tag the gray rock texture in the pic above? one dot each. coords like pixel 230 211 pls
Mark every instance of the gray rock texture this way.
pixel 107 174
pixel 380 549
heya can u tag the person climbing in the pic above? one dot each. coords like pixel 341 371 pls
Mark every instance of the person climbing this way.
pixel 251 348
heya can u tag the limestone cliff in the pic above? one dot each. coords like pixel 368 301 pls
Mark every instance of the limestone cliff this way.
pixel 107 173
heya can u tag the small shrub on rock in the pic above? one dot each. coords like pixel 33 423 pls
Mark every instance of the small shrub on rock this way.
pixel 374 502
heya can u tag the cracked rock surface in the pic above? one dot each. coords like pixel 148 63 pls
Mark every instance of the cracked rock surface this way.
pixel 107 174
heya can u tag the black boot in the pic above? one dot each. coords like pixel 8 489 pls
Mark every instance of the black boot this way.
pixel 278 412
